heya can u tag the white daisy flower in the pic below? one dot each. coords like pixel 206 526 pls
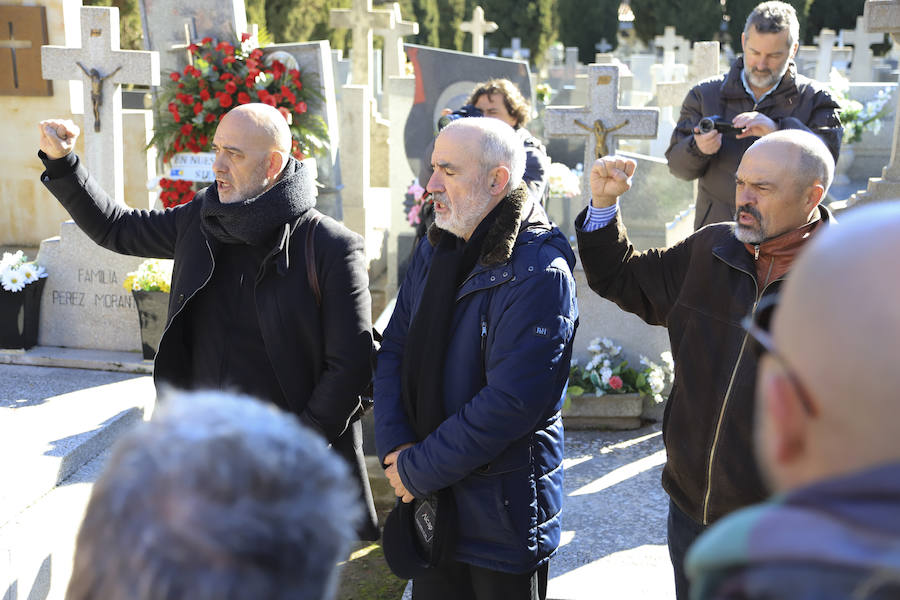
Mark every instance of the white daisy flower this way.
pixel 29 273
pixel 11 260
pixel 12 280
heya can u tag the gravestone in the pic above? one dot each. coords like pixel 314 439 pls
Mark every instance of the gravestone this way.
pixel 515 50
pixel 103 68
pixel 23 32
pixel 361 19
pixel 675 48
pixel 445 79
pixel 825 41
pixel 602 122
pixel 315 59
pixel 84 304
pixel 478 27
pixel 164 24
pixel 884 16
pixel 400 92
pixel 861 67
pixel 603 46
pixel 394 56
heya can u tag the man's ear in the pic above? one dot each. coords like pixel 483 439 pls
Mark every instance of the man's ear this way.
pixel 814 195
pixel 277 162
pixel 794 49
pixel 497 179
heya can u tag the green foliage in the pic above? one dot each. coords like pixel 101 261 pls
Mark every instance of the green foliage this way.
pixel 452 14
pixel 427 15
pixel 583 23
pixel 533 22
pixel 130 33
pixel 837 15
pixel 651 17
pixel 738 10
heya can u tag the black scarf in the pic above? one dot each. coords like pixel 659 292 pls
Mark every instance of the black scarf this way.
pixel 255 221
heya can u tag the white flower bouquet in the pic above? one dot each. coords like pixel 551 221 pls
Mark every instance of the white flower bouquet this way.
pixel 607 372
pixel 16 271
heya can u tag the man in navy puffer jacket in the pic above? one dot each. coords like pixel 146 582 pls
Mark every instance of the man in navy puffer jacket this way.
pixel 472 373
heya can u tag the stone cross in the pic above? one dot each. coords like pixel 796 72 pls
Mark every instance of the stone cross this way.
pixel 603 46
pixel 861 67
pixel 883 16
pixel 601 123
pixel 103 68
pixel 12 44
pixel 361 19
pixel 478 27
pixel 704 64
pixel 516 51
pixel 825 41
pixel 669 41
pixel 394 56
pixel 186 44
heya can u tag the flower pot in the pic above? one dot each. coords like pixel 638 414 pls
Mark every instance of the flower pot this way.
pixel 153 308
pixel 610 411
pixel 19 316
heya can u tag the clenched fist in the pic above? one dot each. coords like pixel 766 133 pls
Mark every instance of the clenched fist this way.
pixel 610 178
pixel 58 137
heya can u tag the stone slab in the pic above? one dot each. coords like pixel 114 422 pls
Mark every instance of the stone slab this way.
pixel 84 304
pixel 55 420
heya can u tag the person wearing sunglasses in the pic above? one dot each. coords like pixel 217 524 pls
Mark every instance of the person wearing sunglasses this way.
pixel 826 430
pixel 700 289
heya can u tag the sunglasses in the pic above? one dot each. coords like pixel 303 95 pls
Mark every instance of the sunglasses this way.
pixel 758 325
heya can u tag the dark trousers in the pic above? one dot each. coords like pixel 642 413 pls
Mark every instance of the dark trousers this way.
pixel 454 580
pixel 682 531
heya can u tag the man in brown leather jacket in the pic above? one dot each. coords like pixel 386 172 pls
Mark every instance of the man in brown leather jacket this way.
pixel 761 93
pixel 700 289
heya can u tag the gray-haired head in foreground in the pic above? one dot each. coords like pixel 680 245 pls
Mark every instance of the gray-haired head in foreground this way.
pixel 500 145
pixel 218 497
pixel 814 162
pixel 774 17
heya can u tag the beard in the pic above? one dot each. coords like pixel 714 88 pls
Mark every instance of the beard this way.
pixel 463 216
pixel 750 234
pixel 255 185
pixel 765 79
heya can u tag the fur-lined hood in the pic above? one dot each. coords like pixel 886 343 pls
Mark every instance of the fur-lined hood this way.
pixel 517 213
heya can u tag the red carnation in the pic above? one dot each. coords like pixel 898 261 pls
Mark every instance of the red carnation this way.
pixel 178 146
pixel 256 54
pixel 230 88
pixel 225 47
pixel 228 60
pixel 615 382
pixel 209 118
pixel 194 48
pixel 174 76
pixel 204 141
pixel 204 94
pixel 198 108
pixel 285 113
pixel 288 95
pixel 245 37
pixel 224 100
pixel 206 40
pixel 186 129
pixel 244 98
pixel 263 95
pixel 277 69
pixel 301 107
pixel 252 63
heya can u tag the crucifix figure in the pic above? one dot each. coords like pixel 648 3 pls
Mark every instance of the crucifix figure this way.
pixel 600 132
pixel 96 90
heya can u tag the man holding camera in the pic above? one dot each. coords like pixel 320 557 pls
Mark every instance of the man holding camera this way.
pixel 761 93
pixel 700 289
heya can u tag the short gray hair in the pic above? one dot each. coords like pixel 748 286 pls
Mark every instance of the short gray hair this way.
pixel 815 161
pixel 500 145
pixel 774 17
pixel 219 497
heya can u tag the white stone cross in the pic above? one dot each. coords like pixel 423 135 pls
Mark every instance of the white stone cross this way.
pixel 516 51
pixel 186 44
pixel 704 64
pixel 103 68
pixel 603 46
pixel 602 122
pixel 478 27
pixel 394 56
pixel 12 44
pixel 669 41
pixel 361 19
pixel 825 41
pixel 861 67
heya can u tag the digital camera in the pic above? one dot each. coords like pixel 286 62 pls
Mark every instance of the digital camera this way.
pixel 716 122
pixel 468 110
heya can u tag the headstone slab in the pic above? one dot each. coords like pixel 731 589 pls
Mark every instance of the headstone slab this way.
pixel 361 19
pixel 394 56
pixel 445 79
pixel 861 67
pixel 84 304
pixel 602 122
pixel 164 21
pixel 825 41
pixel 315 58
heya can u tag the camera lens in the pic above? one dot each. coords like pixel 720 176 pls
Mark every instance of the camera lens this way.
pixel 706 125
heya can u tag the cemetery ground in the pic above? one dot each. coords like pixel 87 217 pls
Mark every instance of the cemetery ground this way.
pixel 57 424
